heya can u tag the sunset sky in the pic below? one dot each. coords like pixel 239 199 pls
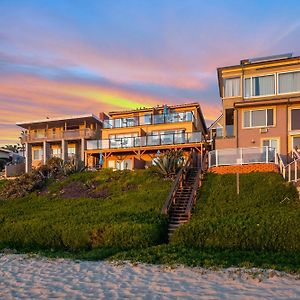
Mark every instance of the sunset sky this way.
pixel 74 57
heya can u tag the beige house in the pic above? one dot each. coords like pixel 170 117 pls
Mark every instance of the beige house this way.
pixel 261 104
pixel 64 137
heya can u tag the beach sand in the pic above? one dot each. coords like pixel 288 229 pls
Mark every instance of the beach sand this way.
pixel 25 277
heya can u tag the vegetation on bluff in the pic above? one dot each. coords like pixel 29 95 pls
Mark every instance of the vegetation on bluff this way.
pixel 116 215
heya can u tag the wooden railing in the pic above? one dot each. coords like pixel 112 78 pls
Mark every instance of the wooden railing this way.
pixel 180 178
pixel 193 196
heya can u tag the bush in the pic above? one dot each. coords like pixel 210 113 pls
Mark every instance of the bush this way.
pixel 265 216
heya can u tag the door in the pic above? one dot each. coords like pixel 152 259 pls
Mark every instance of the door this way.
pixel 273 147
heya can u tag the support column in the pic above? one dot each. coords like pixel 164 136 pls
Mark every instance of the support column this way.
pixel 64 150
pixel 82 151
pixel 28 157
pixel 46 150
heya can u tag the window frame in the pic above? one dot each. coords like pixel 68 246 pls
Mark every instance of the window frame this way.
pixel 250 119
pixel 251 85
pixel 271 138
pixel 277 80
pixel 290 119
pixel 241 87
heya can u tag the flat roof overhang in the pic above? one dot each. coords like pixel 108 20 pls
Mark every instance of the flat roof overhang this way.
pixel 60 121
pixel 266 102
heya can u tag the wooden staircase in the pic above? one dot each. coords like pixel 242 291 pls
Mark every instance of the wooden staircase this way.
pixel 182 197
pixel 179 211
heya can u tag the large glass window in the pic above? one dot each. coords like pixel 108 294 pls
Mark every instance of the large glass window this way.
pixel 289 82
pixel 295 119
pixel 258 118
pixel 232 87
pixel 263 85
pixel 259 86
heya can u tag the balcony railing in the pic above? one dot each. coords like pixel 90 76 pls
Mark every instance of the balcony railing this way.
pixel 86 133
pixel 144 141
pixel 150 119
pixel 240 156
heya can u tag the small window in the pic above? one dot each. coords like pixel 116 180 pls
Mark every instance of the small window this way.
pixel 258 118
pixel 232 87
pixel 37 154
pixel 295 119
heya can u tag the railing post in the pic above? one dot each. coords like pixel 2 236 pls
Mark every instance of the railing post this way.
pixel 241 155
pixel 267 154
pixel 289 173
pixel 209 159
pixel 296 165
pixel 217 158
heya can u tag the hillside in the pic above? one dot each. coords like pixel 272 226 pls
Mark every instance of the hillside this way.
pixel 88 210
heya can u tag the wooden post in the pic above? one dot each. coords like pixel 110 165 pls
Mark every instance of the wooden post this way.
pixel 238 183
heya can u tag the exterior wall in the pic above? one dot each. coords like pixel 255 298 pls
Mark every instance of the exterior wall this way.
pixel 225 143
pixel 253 137
pixel 244 169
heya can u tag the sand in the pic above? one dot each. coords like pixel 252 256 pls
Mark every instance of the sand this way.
pixel 25 277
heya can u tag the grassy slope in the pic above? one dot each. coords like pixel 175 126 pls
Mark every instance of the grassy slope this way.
pixel 227 229
pixel 128 216
pixel 264 216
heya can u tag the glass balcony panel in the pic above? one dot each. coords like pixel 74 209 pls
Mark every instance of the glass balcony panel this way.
pixel 140 141
pixel 194 137
pixel 159 119
pixel 167 139
pixel 92 144
pixel 153 140
pixel 179 138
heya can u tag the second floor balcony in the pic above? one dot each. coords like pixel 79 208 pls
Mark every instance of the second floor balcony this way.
pixel 147 141
pixel 150 119
pixel 75 134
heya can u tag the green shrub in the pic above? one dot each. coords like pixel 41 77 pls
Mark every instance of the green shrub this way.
pixel 128 217
pixel 264 216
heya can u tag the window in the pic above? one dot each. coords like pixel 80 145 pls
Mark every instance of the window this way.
pixel 295 119
pixel 147 119
pixel 289 82
pixel 259 86
pixel 229 122
pixel 37 154
pixel 232 87
pixel 272 143
pixel 258 118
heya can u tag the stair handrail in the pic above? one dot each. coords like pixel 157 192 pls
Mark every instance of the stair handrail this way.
pixel 180 178
pixel 193 196
pixel 295 154
pixel 286 170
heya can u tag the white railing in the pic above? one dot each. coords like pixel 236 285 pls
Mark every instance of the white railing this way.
pixel 241 156
pixel 291 171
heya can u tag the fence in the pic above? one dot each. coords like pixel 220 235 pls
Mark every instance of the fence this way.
pixel 240 156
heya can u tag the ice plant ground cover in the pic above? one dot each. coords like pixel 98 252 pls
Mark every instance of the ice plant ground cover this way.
pixel 116 215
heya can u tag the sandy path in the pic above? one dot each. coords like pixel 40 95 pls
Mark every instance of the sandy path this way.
pixel 22 277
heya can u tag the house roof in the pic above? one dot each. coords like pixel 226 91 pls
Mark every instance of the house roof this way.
pixel 59 121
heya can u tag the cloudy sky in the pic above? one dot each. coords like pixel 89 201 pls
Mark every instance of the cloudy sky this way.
pixel 73 57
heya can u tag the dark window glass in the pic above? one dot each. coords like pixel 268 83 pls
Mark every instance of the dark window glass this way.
pixel 295 115
pixel 270 117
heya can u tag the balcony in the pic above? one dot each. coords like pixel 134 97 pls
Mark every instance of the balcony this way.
pixel 76 134
pixel 150 119
pixel 240 156
pixel 146 141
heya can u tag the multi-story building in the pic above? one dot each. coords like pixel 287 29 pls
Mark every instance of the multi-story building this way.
pixel 261 104
pixel 64 137
pixel 134 138
pixel 119 140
